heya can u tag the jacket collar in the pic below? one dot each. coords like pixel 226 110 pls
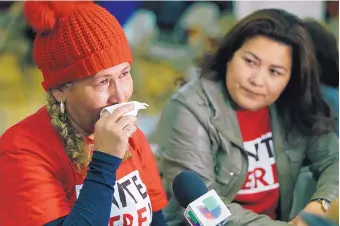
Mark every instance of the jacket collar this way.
pixel 225 118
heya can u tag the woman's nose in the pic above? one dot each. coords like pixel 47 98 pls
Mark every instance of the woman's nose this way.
pixel 258 78
pixel 116 94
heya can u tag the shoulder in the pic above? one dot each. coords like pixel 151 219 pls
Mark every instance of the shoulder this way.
pixel 201 98
pixel 137 136
pixel 190 91
pixel 190 99
pixel 141 147
pixel 34 134
pixel 139 142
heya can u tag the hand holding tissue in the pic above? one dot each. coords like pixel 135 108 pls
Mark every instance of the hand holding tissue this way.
pixel 137 106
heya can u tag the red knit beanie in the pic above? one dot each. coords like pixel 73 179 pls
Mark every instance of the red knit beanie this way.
pixel 74 40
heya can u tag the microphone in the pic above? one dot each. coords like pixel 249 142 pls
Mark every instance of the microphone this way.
pixel 202 207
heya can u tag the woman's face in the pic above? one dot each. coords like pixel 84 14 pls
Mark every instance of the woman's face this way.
pixel 87 97
pixel 258 72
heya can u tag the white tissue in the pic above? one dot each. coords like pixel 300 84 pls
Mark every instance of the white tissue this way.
pixel 137 106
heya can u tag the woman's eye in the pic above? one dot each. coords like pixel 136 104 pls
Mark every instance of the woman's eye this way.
pixel 124 74
pixel 274 72
pixel 249 61
pixel 104 82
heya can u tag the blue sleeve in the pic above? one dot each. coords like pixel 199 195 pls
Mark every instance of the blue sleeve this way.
pixel 158 219
pixel 93 205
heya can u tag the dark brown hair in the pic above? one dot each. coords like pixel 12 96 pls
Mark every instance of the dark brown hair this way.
pixel 300 106
pixel 327 53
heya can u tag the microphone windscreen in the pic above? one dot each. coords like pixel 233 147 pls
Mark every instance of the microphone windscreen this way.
pixel 188 186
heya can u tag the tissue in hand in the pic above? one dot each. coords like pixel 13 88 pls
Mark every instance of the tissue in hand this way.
pixel 137 106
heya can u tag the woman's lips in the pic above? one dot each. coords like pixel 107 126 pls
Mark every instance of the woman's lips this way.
pixel 251 92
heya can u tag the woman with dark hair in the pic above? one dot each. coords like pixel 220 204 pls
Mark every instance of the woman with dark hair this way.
pixel 327 54
pixel 251 121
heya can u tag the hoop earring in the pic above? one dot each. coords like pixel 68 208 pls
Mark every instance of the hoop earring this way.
pixel 68 85
pixel 62 109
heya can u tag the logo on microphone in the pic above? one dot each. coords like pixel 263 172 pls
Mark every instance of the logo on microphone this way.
pixel 210 208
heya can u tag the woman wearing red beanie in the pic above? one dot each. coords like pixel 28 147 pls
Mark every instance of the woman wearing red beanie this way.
pixel 66 164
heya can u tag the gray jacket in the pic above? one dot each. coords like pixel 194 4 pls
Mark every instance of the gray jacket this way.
pixel 199 131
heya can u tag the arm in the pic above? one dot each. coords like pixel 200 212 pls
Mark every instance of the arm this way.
pixel 158 219
pixel 34 189
pixel 323 153
pixel 94 203
pixel 185 144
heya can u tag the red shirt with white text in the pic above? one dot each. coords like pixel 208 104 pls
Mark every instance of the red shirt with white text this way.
pixel 260 191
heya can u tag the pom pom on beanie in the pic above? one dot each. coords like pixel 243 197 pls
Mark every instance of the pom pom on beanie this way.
pixel 43 16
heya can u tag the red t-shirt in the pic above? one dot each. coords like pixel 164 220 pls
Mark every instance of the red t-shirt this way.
pixel 260 191
pixel 39 183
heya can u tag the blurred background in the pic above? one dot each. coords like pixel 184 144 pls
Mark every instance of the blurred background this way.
pixel 166 38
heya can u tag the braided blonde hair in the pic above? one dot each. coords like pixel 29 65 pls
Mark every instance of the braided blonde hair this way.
pixel 74 141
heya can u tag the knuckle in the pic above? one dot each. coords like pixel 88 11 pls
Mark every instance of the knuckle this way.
pixel 115 131
pixel 106 127
pixel 132 126
pixel 131 118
